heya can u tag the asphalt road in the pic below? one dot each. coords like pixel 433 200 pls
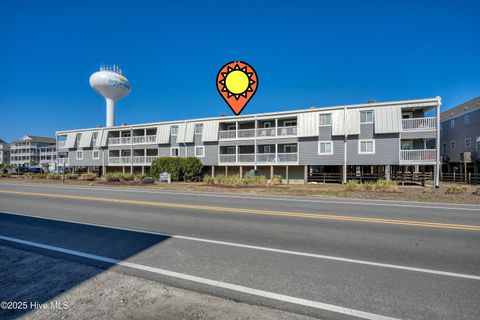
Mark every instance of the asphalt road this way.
pixel 322 257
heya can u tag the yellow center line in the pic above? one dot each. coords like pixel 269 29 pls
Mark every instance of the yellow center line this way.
pixel 253 211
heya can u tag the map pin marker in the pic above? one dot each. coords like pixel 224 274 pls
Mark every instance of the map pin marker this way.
pixel 237 82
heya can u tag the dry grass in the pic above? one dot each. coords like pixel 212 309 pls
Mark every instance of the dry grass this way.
pixel 405 193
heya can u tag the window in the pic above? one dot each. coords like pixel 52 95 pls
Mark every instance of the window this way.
pixel 79 136
pixel 366 116
pixel 174 152
pixel 466 118
pixel 96 155
pixel 366 146
pixel 174 130
pixel 325 147
pixel 468 142
pixel 199 152
pixel 291 148
pixel 79 155
pixel 452 144
pixel 231 126
pixel 290 123
pixel 267 149
pixel 198 128
pixel 326 119
pixel 452 123
pixel 267 124
pixel 444 148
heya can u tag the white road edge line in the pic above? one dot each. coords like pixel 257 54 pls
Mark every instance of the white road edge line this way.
pixel 363 202
pixel 268 249
pixel 214 283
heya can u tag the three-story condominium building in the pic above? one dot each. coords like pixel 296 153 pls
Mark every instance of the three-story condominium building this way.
pixel 4 152
pixel 29 150
pixel 460 138
pixel 373 137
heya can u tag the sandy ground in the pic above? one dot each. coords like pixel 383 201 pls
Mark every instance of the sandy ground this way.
pixel 91 293
pixel 330 190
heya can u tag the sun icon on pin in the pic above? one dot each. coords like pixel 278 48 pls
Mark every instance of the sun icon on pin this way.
pixel 237 83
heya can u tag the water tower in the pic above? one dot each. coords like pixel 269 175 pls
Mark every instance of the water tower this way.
pixel 112 85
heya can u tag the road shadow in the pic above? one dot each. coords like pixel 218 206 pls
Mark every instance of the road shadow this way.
pixel 21 282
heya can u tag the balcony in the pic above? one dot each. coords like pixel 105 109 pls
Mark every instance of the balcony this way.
pixel 144 139
pixel 262 158
pixel 137 160
pixel 420 156
pixel 419 124
pixel 261 133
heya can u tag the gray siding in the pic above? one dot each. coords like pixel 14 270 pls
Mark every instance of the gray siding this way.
pixel 459 134
pixel 87 158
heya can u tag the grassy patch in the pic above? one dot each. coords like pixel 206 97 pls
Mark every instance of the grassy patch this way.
pixel 456 189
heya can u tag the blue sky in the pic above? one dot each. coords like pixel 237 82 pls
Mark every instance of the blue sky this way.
pixel 306 54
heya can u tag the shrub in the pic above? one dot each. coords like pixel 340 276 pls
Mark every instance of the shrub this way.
pixel 71 176
pixel 257 181
pixel 277 179
pixel 87 177
pixel 208 180
pixel 456 189
pixel 28 175
pixel 54 176
pixel 111 177
pixel 5 175
pixel 192 169
pixel 40 176
pixel 351 185
pixel 477 191
pixel 147 180
pixel 180 169
pixel 368 186
pixel 385 186
pixel 126 176
pixel 139 177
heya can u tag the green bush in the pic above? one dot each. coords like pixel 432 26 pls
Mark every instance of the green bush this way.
pixel 456 189
pixel 180 169
pixel 351 185
pixel 126 176
pixel 5 175
pixel 87 177
pixel 277 179
pixel 139 177
pixel 236 180
pixel 54 176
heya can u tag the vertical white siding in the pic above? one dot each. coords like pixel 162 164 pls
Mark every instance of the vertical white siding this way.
pixel 353 121
pixel 338 123
pixel 388 119
pixel 307 124
pixel 163 134
pixel 99 138
pixel 70 142
pixel 181 133
pixel 86 139
pixel 103 142
pixel 210 131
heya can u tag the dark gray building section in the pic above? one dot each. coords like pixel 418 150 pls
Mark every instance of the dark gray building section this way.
pixel 460 137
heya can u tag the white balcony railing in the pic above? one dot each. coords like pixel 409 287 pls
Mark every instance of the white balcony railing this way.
pixel 419 124
pixel 418 156
pixel 246 158
pixel 261 133
pixel 287 157
pixel 266 132
pixel 227 158
pixel 117 141
pixel 137 160
pixel 287 131
pixel 144 139
pixel 266 158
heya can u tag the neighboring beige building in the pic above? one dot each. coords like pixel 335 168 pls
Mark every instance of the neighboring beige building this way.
pixel 29 150
pixel 4 152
